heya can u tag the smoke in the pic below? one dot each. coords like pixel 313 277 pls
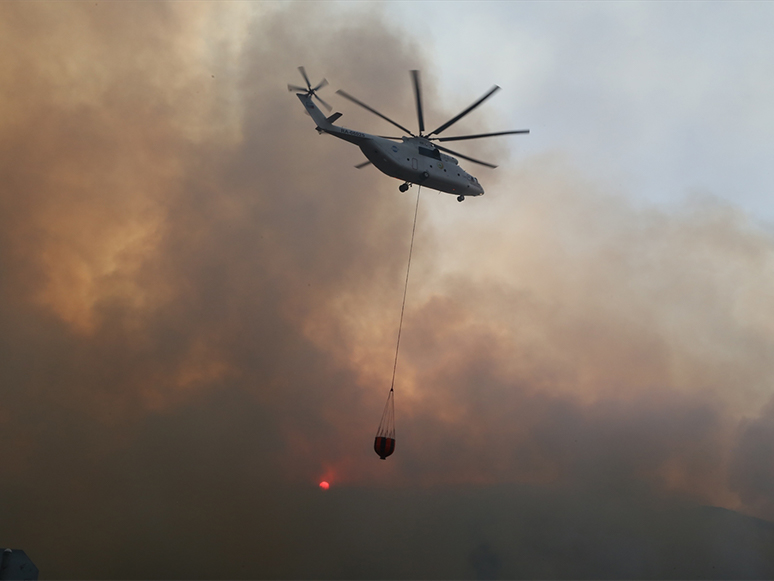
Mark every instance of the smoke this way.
pixel 577 337
pixel 752 472
pixel 200 299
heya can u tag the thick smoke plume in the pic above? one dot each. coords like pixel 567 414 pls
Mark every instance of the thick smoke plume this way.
pixel 199 302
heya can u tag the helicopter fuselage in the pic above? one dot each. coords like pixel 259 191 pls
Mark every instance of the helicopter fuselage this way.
pixel 413 160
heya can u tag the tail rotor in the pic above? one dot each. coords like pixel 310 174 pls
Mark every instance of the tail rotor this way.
pixel 309 90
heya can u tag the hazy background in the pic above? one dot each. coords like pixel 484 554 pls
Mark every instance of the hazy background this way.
pixel 200 295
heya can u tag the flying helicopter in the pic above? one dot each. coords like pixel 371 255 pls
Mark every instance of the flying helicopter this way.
pixel 416 159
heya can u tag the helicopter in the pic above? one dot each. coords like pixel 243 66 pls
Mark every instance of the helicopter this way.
pixel 416 159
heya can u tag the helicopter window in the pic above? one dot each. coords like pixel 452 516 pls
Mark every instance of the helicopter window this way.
pixel 434 153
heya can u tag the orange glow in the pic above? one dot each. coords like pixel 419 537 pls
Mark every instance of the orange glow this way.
pixel 324 485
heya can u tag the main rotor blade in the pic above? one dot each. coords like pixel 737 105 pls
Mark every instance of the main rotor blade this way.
pixel 461 137
pixel 451 122
pixel 296 88
pixel 323 83
pixel 328 107
pixel 466 157
pixel 303 74
pixel 362 165
pixel 372 110
pixel 418 95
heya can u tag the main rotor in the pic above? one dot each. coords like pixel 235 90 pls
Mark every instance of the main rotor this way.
pixel 441 128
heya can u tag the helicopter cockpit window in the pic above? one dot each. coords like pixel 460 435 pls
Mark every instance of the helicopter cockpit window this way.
pixel 434 153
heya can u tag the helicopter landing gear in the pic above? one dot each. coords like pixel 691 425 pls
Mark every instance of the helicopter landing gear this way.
pixel 460 198
pixel 403 187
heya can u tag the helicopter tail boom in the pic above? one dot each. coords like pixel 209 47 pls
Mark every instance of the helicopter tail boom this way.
pixel 317 115
pixel 325 124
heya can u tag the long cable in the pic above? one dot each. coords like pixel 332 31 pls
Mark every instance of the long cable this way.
pixel 405 288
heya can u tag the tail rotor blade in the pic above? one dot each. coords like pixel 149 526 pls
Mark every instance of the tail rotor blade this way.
pixel 372 110
pixel 296 88
pixel 452 121
pixel 480 135
pixel 418 96
pixel 302 70
pixel 324 104
pixel 323 83
pixel 466 157
pixel 362 165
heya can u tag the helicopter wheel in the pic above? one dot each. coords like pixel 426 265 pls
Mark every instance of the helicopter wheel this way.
pixel 460 198
pixel 403 187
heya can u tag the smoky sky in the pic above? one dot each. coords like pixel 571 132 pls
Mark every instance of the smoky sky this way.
pixel 199 299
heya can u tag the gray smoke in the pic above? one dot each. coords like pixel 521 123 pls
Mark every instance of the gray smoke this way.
pixel 200 298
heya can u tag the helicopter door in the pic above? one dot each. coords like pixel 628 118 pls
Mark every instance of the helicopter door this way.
pixel 414 164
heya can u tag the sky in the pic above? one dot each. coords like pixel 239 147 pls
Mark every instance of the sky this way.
pixel 199 295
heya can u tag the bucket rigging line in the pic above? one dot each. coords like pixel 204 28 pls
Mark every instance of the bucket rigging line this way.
pixel 384 443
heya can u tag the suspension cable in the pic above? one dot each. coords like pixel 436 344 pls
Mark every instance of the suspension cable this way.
pixel 405 288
